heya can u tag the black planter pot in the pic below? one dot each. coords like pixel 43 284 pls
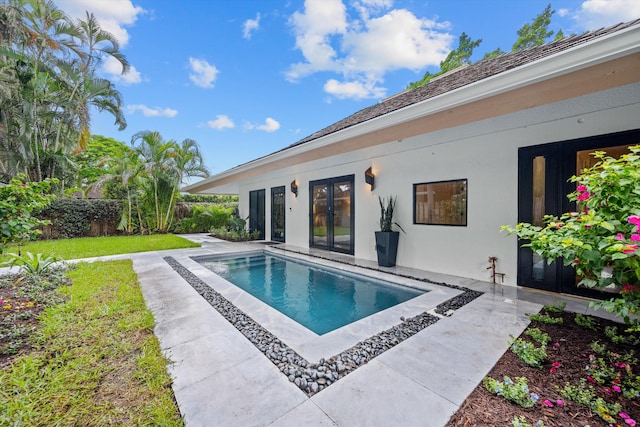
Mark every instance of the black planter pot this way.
pixel 387 247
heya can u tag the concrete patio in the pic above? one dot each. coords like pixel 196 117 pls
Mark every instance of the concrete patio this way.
pixel 221 379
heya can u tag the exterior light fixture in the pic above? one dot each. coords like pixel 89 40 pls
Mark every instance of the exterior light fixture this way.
pixel 294 188
pixel 369 178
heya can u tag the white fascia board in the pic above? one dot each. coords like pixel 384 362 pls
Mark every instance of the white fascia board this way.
pixel 622 43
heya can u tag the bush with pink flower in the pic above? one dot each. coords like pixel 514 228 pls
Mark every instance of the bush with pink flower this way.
pixel 601 238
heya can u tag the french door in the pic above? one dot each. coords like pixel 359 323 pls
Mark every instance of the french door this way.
pixel 331 214
pixel 277 213
pixel 543 183
pixel 256 212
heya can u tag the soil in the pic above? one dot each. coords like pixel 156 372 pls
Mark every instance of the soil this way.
pixel 570 347
pixel 21 303
pixel 14 329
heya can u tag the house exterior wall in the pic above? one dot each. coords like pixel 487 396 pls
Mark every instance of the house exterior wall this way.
pixel 484 152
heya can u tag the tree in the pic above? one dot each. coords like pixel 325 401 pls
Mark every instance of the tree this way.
pixel 537 32
pixel 456 58
pixel 494 53
pixel 529 35
pixel 48 86
pixel 101 158
pixel 166 164
pixel 88 89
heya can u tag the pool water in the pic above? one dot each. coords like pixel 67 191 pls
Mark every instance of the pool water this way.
pixel 320 298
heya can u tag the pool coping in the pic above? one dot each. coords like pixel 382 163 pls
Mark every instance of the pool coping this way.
pixel 310 361
pixel 303 341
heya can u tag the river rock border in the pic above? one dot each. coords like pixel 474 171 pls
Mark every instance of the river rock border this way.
pixel 312 378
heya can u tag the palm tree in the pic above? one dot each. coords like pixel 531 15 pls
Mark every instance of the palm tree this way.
pixel 156 157
pixel 129 171
pixel 167 164
pixel 48 85
pixel 46 26
pixel 87 89
pixel 188 163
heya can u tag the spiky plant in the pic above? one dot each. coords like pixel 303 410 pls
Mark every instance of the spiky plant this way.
pixel 387 207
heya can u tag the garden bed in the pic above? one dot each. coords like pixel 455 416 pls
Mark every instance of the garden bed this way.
pixel 607 369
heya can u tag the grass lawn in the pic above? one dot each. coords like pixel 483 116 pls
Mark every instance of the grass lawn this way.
pixel 85 247
pixel 92 360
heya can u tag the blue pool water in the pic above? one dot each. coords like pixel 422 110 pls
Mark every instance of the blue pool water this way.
pixel 320 298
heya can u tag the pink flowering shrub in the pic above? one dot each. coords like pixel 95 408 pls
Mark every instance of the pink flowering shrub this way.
pixel 601 238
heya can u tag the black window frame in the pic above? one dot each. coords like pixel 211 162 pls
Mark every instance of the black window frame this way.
pixel 466 202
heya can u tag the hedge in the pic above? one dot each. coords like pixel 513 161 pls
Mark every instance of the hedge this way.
pixel 81 218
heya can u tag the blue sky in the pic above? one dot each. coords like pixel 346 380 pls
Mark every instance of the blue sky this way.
pixel 246 78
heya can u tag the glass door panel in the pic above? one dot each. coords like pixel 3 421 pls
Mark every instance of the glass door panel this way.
pixel 538 211
pixel 256 212
pixel 342 215
pixel 277 214
pixel 319 214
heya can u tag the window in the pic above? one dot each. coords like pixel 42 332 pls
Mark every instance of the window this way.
pixel 440 203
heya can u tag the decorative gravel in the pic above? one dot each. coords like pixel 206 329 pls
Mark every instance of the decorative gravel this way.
pixel 314 377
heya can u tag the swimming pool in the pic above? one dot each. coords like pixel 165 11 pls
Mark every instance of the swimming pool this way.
pixel 320 298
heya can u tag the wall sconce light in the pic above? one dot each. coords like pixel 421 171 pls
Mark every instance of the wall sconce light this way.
pixel 369 178
pixel 294 188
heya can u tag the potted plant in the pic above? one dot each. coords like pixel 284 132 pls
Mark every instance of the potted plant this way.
pixel 386 238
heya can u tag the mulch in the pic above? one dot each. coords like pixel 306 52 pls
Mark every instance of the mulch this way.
pixel 483 408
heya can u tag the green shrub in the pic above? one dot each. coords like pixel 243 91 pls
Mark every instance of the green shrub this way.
pixel 235 230
pixel 529 353
pixel 516 392
pixel 631 338
pixel 585 322
pixel 204 218
pixel 545 318
pixel 556 307
pixel 586 395
pixel 19 200
pixel 228 201
pixel 538 336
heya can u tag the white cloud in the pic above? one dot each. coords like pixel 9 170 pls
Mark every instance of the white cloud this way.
pixel 270 125
pixel 322 18
pixel 113 69
pixel 355 90
pixel 362 48
pixel 113 15
pixel 563 12
pixel 151 112
pixel 249 26
pixel 221 122
pixel 202 73
pixel 395 40
pixel 595 14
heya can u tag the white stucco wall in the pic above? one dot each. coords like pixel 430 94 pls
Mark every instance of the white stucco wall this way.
pixel 485 153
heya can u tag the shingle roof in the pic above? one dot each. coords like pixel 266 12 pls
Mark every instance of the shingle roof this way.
pixel 462 77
